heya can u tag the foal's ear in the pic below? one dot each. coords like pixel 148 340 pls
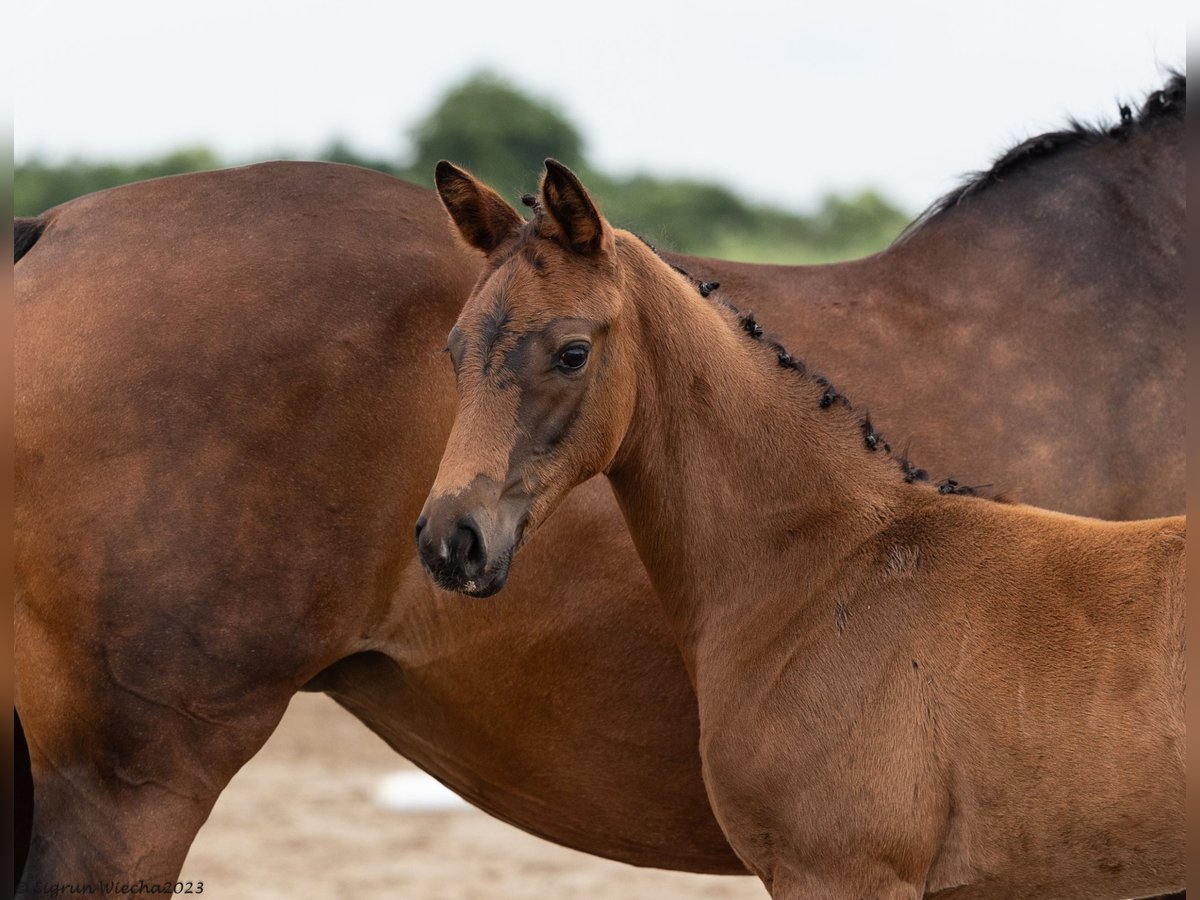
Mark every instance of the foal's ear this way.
pixel 565 198
pixel 483 218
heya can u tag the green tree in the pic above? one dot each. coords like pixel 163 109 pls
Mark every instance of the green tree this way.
pixel 339 151
pixel 864 220
pixel 498 132
pixel 503 134
pixel 673 213
pixel 38 185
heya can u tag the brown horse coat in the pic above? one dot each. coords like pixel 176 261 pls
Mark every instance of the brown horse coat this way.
pixel 902 690
pixel 231 400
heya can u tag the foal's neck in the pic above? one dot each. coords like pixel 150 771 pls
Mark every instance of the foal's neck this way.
pixel 740 488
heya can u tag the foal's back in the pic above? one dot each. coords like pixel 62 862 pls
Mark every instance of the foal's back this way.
pixel 1046 653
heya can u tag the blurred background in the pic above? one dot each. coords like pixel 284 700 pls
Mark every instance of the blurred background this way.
pixel 762 131
pixel 772 131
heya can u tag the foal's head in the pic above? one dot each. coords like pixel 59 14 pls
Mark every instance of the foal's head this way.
pixel 543 352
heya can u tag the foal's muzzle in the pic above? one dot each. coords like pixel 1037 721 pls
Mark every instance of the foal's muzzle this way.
pixel 454 552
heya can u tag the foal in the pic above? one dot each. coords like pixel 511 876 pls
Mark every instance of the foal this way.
pixel 902 691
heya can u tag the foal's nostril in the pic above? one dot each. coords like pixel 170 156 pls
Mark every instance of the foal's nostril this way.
pixel 452 550
pixel 469 545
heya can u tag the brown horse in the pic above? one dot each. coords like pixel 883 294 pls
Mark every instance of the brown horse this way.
pixel 902 691
pixel 231 404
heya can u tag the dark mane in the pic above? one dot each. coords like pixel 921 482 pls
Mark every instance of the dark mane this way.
pixel 873 440
pixel 1165 104
pixel 25 234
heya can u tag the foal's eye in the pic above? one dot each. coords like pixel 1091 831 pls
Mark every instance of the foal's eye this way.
pixel 573 356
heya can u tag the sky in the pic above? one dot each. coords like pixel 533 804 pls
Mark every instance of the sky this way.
pixel 783 101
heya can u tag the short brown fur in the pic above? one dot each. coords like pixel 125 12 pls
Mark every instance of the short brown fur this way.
pixel 256 352
pixel 901 692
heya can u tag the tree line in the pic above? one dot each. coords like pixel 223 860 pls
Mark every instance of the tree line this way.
pixel 502 134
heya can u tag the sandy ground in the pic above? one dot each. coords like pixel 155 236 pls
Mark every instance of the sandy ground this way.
pixel 302 820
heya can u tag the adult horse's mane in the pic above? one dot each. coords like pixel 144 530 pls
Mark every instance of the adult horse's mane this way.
pixel 1165 104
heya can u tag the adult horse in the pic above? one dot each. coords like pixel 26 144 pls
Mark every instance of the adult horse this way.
pixel 231 401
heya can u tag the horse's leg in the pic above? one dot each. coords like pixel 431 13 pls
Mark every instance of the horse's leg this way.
pixel 22 798
pixel 125 774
